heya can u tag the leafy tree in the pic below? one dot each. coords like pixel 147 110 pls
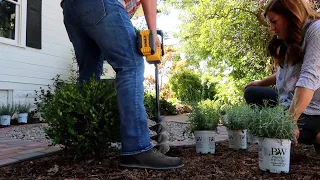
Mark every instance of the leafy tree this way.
pixel 226 35
pixel 231 32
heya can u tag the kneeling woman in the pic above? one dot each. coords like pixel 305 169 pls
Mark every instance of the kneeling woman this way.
pixel 296 49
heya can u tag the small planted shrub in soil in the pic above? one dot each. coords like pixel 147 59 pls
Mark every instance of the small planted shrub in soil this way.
pixel 84 120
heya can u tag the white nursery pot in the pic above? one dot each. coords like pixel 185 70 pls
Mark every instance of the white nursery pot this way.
pixel 205 142
pixel 260 155
pixel 237 139
pixel 5 120
pixel 252 139
pixel 22 117
pixel 274 155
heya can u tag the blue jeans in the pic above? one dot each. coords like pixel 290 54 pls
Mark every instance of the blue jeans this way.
pixel 102 29
pixel 257 95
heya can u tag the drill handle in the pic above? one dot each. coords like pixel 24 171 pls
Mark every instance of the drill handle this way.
pixel 161 34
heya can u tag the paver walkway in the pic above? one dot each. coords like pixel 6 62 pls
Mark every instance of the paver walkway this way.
pixel 16 150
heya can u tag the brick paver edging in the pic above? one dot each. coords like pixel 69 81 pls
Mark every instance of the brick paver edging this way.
pixel 16 150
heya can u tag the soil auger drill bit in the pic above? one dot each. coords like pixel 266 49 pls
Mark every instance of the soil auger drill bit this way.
pixel 153 56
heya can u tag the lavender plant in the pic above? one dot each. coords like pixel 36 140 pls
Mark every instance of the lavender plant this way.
pixel 272 122
pixel 7 109
pixel 23 108
pixel 204 116
pixel 238 117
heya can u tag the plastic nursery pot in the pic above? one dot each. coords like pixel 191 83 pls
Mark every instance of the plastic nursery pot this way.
pixel 237 139
pixel 5 120
pixel 274 155
pixel 252 139
pixel 205 142
pixel 23 118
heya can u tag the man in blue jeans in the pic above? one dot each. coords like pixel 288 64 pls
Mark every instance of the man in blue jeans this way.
pixel 102 29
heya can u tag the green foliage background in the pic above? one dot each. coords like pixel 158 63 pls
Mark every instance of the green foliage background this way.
pixel 229 38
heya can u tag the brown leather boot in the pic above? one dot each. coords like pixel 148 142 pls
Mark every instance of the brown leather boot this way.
pixel 151 159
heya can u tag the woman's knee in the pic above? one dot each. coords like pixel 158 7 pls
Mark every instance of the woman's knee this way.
pixel 250 94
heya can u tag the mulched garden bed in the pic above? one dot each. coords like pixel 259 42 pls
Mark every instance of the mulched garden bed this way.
pixel 225 164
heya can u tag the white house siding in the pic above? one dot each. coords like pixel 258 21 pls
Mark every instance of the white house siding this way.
pixel 24 69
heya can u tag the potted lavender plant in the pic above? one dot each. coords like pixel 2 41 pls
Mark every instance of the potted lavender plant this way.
pixel 6 112
pixel 275 129
pixel 23 111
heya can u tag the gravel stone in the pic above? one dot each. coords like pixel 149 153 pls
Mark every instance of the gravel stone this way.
pixel 36 132
pixel 33 132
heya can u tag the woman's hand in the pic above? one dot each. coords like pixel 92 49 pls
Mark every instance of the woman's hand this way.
pixel 296 136
pixel 268 81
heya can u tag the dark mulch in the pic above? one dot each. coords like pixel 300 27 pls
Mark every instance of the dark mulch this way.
pixel 225 164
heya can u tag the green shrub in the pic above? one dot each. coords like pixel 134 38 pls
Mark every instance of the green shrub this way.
pixel 180 108
pixel 228 90
pixel 166 107
pixel 44 96
pixel 272 122
pixel 238 116
pixel 204 116
pixel 191 87
pixel 183 108
pixel 84 120
pixel 208 90
pixel 186 84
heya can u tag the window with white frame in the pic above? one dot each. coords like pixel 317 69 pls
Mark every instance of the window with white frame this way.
pixel 12 21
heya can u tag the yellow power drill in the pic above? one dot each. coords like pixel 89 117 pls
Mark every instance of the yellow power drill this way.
pixel 146 47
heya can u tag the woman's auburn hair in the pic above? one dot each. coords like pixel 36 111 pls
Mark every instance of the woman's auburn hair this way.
pixel 296 13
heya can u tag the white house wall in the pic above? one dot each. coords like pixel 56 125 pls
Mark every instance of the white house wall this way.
pixel 24 69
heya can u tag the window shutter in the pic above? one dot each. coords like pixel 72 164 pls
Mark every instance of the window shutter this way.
pixel 34 10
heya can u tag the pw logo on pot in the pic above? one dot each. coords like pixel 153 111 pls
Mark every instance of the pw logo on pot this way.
pixel 275 151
